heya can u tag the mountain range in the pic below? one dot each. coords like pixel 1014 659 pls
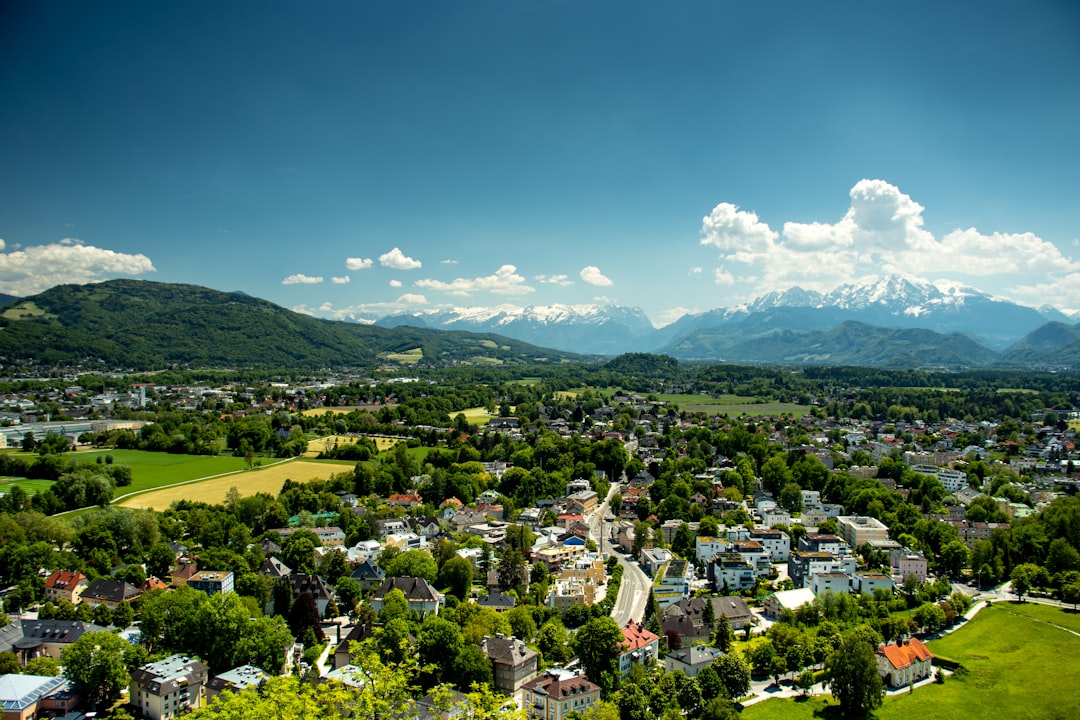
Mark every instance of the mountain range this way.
pixel 894 322
pixel 891 321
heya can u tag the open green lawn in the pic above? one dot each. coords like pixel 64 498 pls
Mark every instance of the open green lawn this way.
pixel 733 405
pixel 1021 661
pixel 32 487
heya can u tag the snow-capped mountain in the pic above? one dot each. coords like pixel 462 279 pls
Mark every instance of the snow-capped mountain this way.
pixel 587 329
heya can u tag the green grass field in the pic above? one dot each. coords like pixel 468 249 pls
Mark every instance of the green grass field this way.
pixel 732 405
pixel 1021 661
pixel 32 487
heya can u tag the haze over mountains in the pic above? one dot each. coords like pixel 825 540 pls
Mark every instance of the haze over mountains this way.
pixel 894 322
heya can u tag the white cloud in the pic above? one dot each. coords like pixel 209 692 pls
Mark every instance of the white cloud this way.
pixel 343 280
pixel 723 277
pixel 882 232
pixel 398 260
pixel 395 283
pixel 561 280
pixel 301 279
pixel 505 281
pixel 729 228
pixel 672 314
pixel 696 270
pixel 30 270
pixel 448 261
pixel 592 275
pixel 358 263
pixel 412 299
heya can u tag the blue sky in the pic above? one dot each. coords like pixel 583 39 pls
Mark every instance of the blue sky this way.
pixel 350 159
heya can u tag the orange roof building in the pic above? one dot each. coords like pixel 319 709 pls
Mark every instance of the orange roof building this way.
pixel 640 646
pixel 904 662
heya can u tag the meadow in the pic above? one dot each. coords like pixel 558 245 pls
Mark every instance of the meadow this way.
pixel 319 445
pixel 733 405
pixel 268 479
pixel 1020 659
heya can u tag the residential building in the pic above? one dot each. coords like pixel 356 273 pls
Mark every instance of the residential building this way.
pixel 110 592
pixel 513 663
pixel 183 571
pixel 556 693
pixel 691 660
pixel 212 582
pixel 167 688
pixel 65 585
pixel 672 583
pixel 906 562
pixel 639 647
pixel 802 565
pixel 786 600
pixel 904 662
pixel 707 548
pixel 777 542
pixel 368 574
pixel 29 639
pixel 25 697
pixel 652 560
pixel 730 571
pixel 830 582
pixel 821 543
pixel 315 586
pixel 860 529
pixel 234 680
pixel 755 555
pixel 868 582
pixel 332 536
pixel 419 594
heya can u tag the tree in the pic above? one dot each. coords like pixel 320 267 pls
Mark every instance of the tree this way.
pixel 633 705
pixel 394 605
pixel 1023 578
pixel 159 561
pixel 123 615
pixel 597 644
pixel 298 551
pixel 734 674
pixel 413 563
pixel 44 666
pixel 929 616
pixel 512 570
pixel 472 667
pixel 349 592
pixel 1070 593
pixel 456 576
pixel 852 674
pixel 304 615
pixel 95 662
pixel 522 622
pixel 719 709
pixel 439 644
pixel 9 663
pixel 553 641
pixel 954 557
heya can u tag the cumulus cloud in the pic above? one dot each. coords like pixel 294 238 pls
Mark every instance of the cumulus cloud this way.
pixel 343 280
pixel 358 263
pixel 562 280
pixel 301 279
pixel 412 299
pixel 398 260
pixel 694 271
pixel 505 281
pixel 592 275
pixel 882 232
pixel 30 270
pixel 395 283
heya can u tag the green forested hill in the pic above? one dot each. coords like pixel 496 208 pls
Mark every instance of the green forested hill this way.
pixel 141 325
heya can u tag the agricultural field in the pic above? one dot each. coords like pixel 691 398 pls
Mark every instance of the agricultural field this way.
pixel 409 357
pixel 248 482
pixel 321 444
pixel 345 409
pixel 1021 659
pixel 475 416
pixel 732 405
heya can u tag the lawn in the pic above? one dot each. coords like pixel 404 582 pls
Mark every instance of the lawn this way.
pixel 1020 660
pixel 155 469
pixel 32 487
pixel 320 444
pixel 732 405
pixel 345 409
pixel 247 482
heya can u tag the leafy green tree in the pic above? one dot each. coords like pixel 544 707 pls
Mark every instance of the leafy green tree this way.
pixel 439 643
pixel 472 668
pixel 394 605
pixel 95 662
pixel 734 674
pixel 298 551
pixel 9 663
pixel 719 709
pixel 633 705
pixel 597 644
pixel 349 592
pixel 44 666
pixel 123 615
pixel 413 563
pixel 456 575
pixel 553 641
pixel 1023 578
pixel 852 675
pixel 522 622
pixel 512 570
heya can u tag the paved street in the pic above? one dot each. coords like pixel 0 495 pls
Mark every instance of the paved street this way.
pixel 634 590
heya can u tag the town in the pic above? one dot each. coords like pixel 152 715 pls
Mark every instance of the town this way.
pixel 633 541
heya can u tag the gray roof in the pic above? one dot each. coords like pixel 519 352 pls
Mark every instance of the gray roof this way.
pixel 18 692
pixel 695 655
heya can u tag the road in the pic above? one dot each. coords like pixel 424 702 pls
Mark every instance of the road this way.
pixel 634 590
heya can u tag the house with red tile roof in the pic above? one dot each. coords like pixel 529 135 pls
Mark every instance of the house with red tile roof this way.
pixel 556 693
pixel 639 646
pixel 65 585
pixel 904 662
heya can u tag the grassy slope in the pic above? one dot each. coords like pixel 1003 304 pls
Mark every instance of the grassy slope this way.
pixel 1019 666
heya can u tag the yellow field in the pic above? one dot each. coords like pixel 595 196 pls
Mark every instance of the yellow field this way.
pixel 314 447
pixel 345 409
pixel 248 482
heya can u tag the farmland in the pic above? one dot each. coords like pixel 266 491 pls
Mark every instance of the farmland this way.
pixel 267 479
pixel 324 443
